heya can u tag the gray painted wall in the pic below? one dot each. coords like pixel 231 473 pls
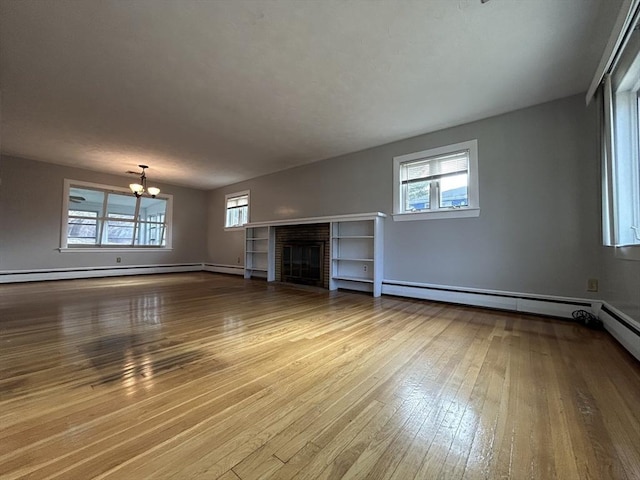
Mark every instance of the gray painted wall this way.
pixel 539 225
pixel 30 215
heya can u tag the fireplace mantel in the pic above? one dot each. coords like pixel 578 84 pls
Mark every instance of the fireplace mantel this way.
pixel 352 217
pixel 355 249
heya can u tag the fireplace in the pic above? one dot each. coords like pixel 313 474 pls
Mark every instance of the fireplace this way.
pixel 302 263
pixel 302 254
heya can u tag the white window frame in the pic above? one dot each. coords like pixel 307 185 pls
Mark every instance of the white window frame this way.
pixel 229 196
pixel 621 168
pixel 471 210
pixel 64 246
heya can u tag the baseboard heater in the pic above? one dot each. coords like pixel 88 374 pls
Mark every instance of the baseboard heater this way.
pixel 622 327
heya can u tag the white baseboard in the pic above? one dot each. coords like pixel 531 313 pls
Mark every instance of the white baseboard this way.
pixel 216 268
pixel 15 276
pixel 517 302
pixel 622 327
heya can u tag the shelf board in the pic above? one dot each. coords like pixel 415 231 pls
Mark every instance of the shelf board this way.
pixel 256 269
pixel 354 236
pixel 353 259
pixel 257 251
pixel 257 238
pixel 354 279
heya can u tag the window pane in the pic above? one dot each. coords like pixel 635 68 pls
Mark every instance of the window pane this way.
pixel 82 231
pixel 436 166
pixel 82 213
pixel 121 206
pixel 453 191
pixel 150 234
pixel 417 196
pixel 152 209
pixel 118 233
pixel 237 216
pixel 84 202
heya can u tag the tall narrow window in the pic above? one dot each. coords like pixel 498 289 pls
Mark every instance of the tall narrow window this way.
pixel 621 131
pixel 237 209
pixel 103 216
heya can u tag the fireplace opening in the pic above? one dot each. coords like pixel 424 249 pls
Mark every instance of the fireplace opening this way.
pixel 302 263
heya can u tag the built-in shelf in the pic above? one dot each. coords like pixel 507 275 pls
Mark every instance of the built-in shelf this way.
pixel 354 279
pixel 257 252
pixel 345 259
pixel 356 242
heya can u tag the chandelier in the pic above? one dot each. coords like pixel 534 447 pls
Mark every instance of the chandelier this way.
pixel 139 189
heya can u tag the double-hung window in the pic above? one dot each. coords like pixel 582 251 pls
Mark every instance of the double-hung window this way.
pixel 102 216
pixel 237 209
pixel 437 183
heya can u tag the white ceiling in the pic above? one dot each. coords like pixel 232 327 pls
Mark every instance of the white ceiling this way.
pixel 209 93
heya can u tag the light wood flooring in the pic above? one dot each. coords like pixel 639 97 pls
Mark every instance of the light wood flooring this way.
pixel 203 376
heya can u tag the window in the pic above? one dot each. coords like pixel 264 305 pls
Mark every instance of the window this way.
pixel 437 183
pixel 237 209
pixel 101 216
pixel 621 156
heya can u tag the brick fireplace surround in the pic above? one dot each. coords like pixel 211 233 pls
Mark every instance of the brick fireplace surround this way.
pixel 306 233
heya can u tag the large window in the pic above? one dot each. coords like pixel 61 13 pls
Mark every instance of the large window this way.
pixel 102 216
pixel 621 167
pixel 437 183
pixel 237 209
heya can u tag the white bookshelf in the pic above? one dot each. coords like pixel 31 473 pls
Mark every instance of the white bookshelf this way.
pixel 356 250
pixel 356 255
pixel 258 253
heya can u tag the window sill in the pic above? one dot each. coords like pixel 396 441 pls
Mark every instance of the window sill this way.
pixel 630 252
pixel 114 249
pixel 233 229
pixel 437 215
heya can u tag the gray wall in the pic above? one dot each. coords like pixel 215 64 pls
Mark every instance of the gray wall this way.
pixel 538 230
pixel 30 215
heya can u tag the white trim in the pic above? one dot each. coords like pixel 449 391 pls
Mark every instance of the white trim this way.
pixel 16 276
pixel 327 219
pixel 617 41
pixel 440 214
pixel 621 333
pixel 627 252
pixel 217 268
pixel 113 249
pixel 503 300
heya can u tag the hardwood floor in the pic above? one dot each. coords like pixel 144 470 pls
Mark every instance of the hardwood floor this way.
pixel 209 376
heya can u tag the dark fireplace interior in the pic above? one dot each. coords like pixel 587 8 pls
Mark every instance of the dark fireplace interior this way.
pixel 302 263
pixel 302 254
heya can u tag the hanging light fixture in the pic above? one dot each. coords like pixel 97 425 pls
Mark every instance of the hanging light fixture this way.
pixel 139 189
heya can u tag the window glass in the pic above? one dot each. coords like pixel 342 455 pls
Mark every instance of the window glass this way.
pixel 237 209
pixel 101 217
pixel 437 181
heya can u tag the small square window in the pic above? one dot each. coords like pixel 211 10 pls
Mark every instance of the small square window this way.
pixel 437 183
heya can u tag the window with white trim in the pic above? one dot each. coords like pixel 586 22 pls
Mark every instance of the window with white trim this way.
pixel 101 216
pixel 437 183
pixel 237 209
pixel 621 166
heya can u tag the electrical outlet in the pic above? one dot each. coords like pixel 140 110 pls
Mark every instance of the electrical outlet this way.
pixel 364 268
pixel 238 260
pixel 592 285
pixel 118 259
